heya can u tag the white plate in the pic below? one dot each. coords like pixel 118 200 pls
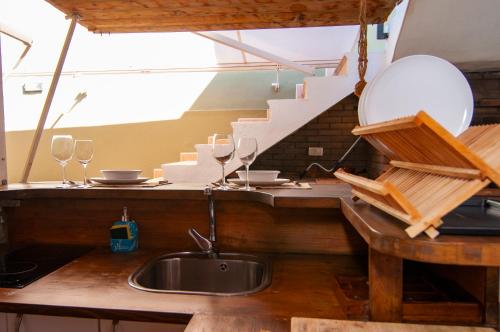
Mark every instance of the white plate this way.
pixel 419 83
pixel 119 181
pixel 276 182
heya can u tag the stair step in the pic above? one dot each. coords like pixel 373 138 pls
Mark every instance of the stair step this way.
pixel 182 163
pixel 252 119
pixel 188 156
pixel 287 115
pixel 342 67
pixel 157 172
pixel 220 141
pixel 259 119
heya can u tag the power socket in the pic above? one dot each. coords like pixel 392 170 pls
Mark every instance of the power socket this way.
pixel 315 151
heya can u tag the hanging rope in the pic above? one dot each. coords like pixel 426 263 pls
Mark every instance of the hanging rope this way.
pixel 362 49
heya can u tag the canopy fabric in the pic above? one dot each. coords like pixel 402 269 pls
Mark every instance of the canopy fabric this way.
pixel 108 16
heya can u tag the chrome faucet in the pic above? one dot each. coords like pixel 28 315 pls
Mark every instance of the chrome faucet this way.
pixel 208 246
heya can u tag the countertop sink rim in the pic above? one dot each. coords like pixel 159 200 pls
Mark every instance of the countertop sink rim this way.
pixel 264 260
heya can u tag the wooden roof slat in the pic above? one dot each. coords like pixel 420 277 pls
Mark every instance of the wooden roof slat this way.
pixel 205 15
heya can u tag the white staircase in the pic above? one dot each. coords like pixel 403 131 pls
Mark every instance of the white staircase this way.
pixel 284 117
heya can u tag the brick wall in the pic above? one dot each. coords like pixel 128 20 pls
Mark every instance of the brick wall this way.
pixel 332 131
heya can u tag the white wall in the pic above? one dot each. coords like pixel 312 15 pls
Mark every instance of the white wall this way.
pixel 466 33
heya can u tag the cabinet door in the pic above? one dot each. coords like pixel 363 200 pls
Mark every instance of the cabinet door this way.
pixel 128 326
pixel 39 323
pixel 3 322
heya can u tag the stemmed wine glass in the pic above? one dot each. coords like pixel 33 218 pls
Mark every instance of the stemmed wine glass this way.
pixel 223 152
pixel 62 150
pixel 84 151
pixel 247 152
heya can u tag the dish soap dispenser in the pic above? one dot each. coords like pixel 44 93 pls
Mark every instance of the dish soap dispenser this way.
pixel 124 234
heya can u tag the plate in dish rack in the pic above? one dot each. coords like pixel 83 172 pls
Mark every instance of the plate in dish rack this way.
pixel 418 83
pixel 119 181
pixel 276 182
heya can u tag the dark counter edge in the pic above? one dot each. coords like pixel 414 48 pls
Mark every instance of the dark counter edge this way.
pixel 386 234
pixel 320 196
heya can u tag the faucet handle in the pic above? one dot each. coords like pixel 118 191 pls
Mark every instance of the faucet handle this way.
pixel 203 243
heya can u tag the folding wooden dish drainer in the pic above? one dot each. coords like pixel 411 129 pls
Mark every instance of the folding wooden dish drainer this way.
pixel 432 172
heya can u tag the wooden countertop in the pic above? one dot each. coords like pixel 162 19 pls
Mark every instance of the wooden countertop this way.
pixel 386 234
pixel 320 196
pixel 95 285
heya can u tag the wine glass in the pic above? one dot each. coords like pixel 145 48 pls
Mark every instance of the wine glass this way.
pixel 223 152
pixel 247 152
pixel 62 150
pixel 84 151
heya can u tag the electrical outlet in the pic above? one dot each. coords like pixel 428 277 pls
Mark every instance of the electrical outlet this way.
pixel 315 151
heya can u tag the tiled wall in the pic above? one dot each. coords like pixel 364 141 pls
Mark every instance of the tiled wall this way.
pixel 331 130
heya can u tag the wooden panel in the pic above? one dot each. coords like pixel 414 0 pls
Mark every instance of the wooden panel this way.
pixel 385 276
pixel 483 140
pixel 464 173
pixel 324 325
pixel 361 182
pixel 178 15
pixel 207 323
pixel 247 226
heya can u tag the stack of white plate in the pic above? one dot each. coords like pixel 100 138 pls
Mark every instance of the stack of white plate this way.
pixel 418 83
pixel 122 176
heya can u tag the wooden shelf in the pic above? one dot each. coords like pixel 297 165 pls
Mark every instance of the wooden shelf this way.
pixel 426 297
pixel 432 172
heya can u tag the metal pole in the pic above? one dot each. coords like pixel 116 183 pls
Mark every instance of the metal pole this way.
pixel 221 39
pixel 48 101
pixel 3 150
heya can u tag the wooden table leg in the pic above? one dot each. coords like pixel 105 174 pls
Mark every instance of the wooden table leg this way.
pixel 386 287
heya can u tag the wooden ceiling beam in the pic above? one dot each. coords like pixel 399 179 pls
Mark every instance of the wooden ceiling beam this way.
pixel 220 6
pixel 216 19
pixel 197 15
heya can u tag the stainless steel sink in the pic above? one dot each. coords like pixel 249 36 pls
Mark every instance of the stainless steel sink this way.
pixel 198 273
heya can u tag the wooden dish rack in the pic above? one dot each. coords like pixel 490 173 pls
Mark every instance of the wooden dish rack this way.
pixel 432 172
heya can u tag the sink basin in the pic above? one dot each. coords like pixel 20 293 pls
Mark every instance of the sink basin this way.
pixel 196 273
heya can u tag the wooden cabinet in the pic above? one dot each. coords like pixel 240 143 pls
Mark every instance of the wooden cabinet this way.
pixel 40 323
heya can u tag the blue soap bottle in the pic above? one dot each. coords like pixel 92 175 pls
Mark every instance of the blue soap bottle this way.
pixel 124 234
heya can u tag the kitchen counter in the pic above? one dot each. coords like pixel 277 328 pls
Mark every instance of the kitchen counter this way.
pixel 319 196
pixel 386 235
pixel 389 245
pixel 95 285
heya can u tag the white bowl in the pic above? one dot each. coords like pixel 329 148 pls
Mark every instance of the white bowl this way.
pixel 258 175
pixel 123 174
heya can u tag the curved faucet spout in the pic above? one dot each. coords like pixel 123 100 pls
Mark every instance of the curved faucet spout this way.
pixel 203 243
pixel 209 245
